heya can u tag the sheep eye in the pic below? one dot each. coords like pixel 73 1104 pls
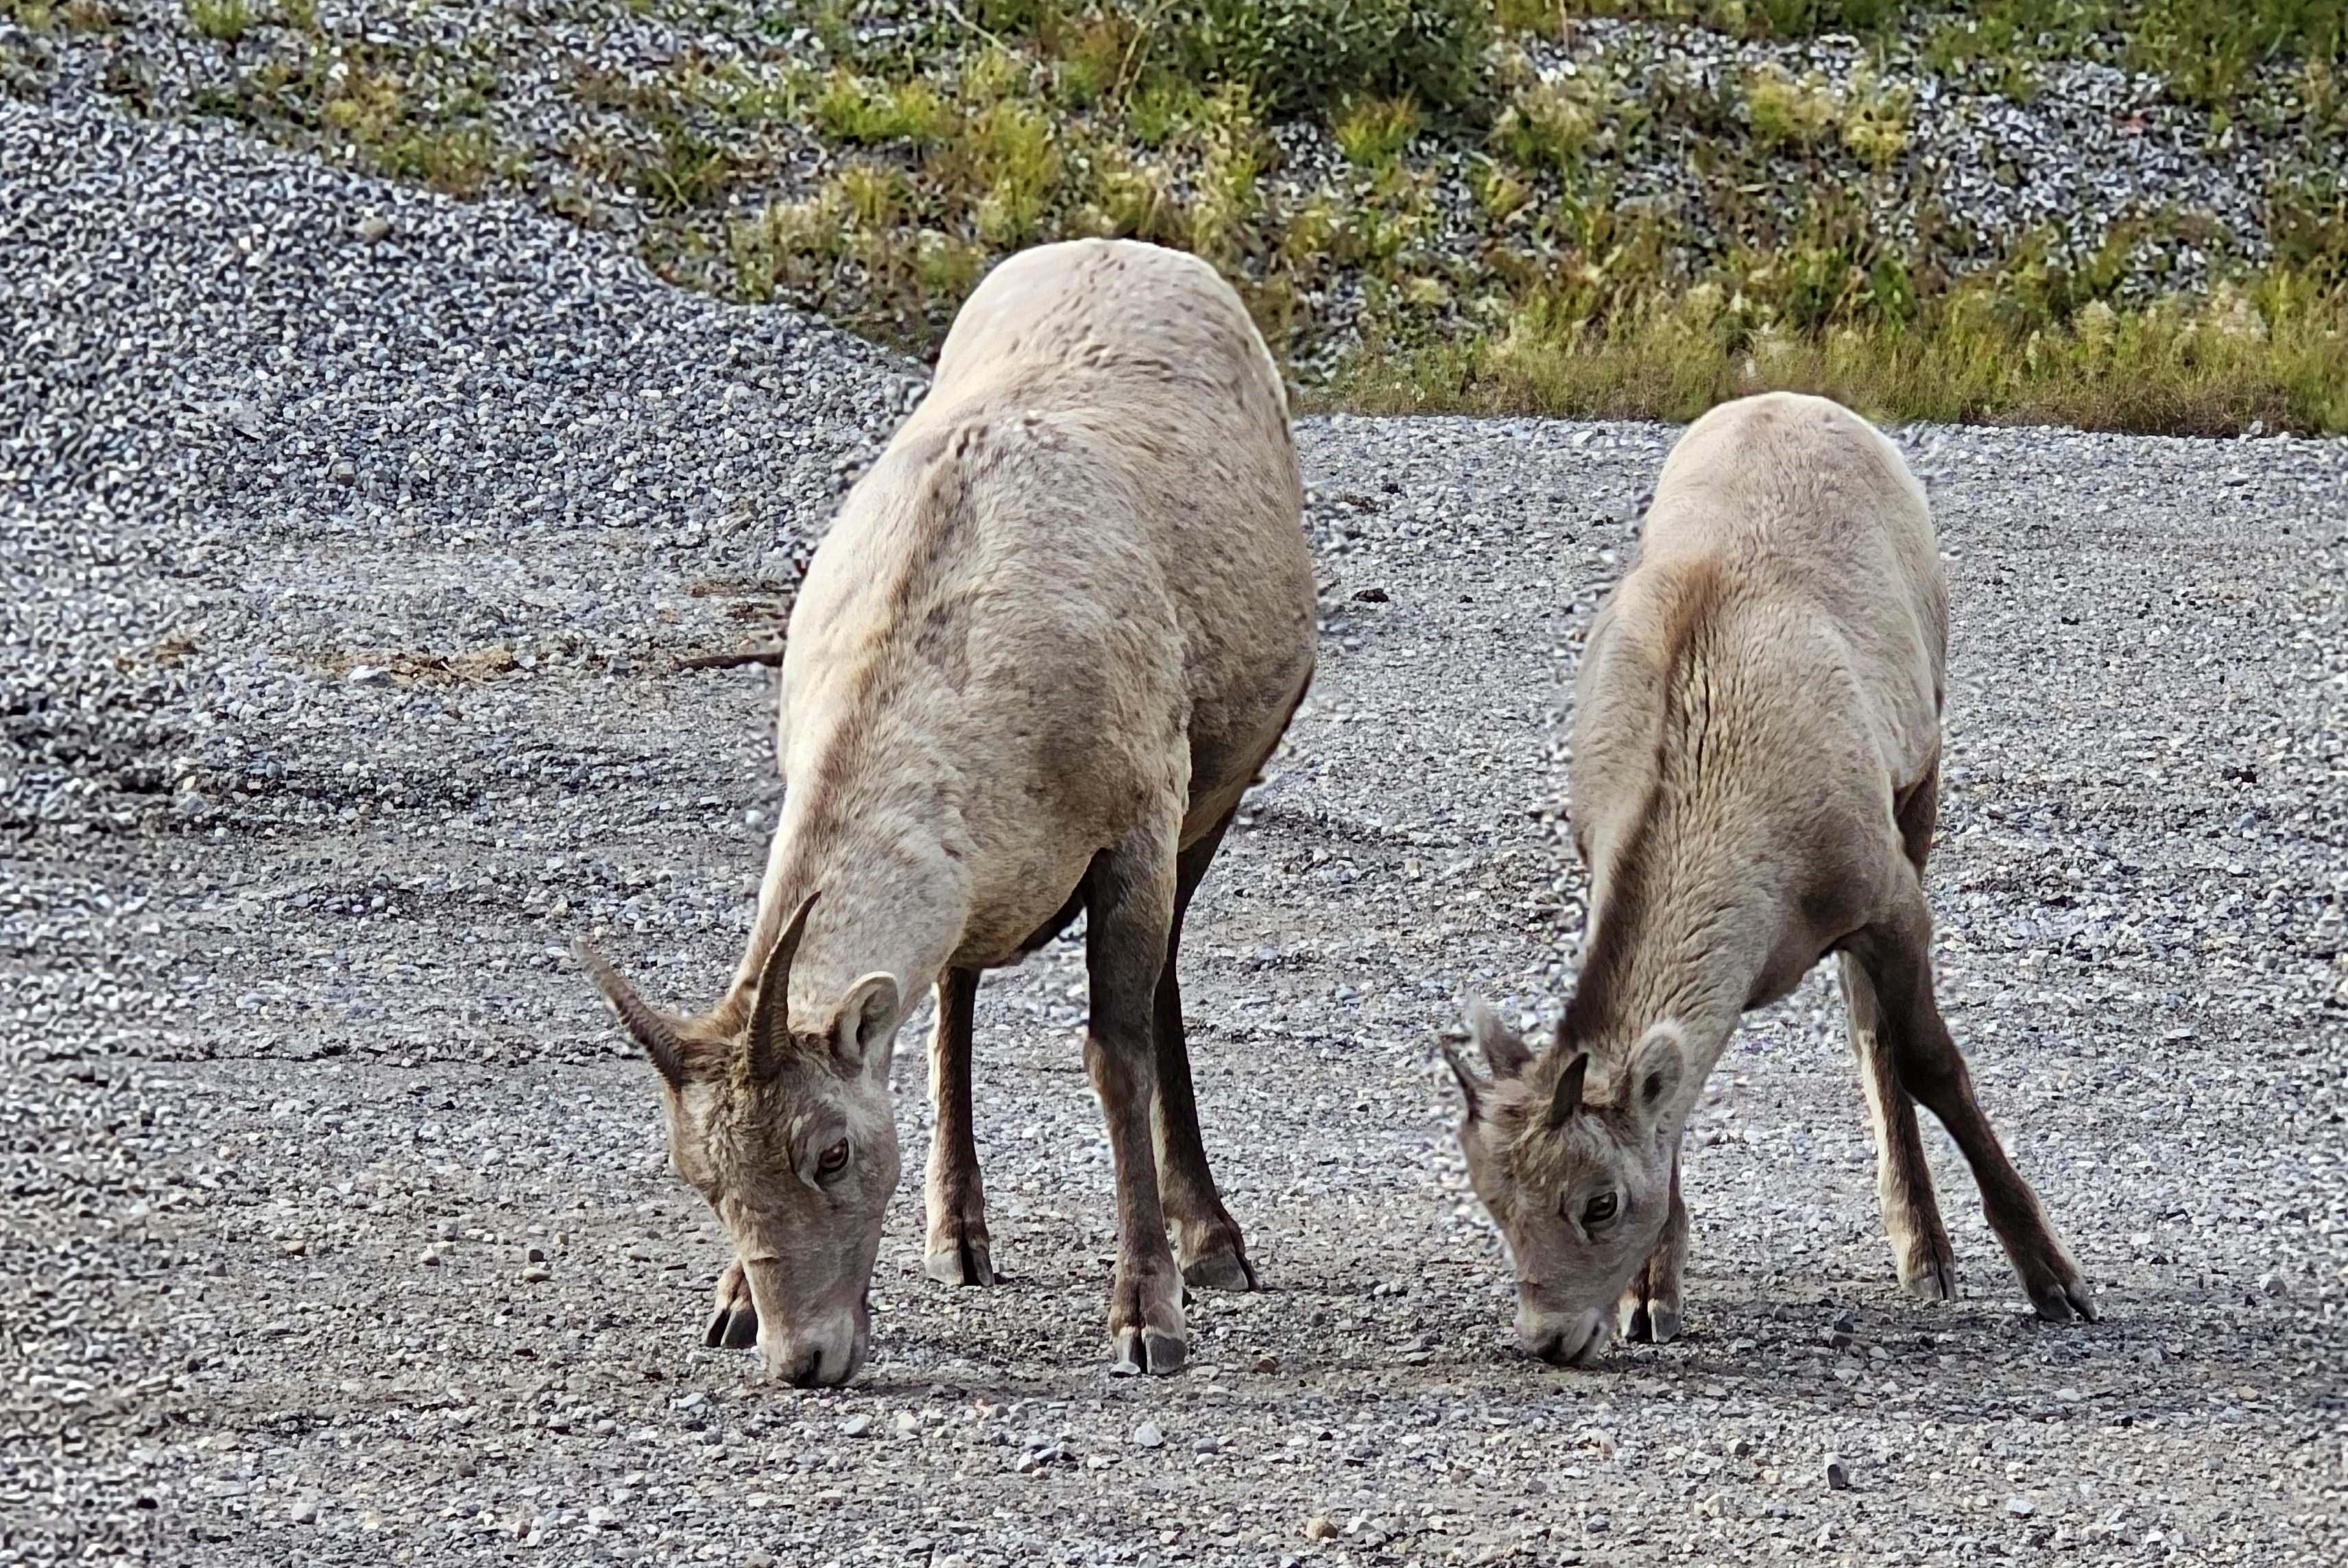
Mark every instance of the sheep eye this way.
pixel 1598 1210
pixel 834 1160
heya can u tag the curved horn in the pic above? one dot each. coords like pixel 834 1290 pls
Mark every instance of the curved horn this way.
pixel 771 1018
pixel 655 1033
pixel 1568 1098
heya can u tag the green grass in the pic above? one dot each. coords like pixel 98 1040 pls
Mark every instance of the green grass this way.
pixel 683 170
pixel 223 20
pixel 414 117
pixel 1372 132
pixel 1476 223
pixel 2276 358
pixel 1291 55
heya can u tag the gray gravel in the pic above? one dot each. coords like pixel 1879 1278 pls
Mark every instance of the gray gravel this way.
pixel 345 577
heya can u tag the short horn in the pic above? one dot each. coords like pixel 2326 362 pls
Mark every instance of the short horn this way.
pixel 771 1018
pixel 1568 1098
pixel 655 1033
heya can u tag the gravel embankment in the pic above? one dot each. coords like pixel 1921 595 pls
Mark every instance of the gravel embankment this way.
pixel 563 88
pixel 349 537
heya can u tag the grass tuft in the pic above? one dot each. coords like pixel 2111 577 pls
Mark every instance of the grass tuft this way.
pixel 865 113
pixel 222 21
pixel 1372 132
pixel 687 170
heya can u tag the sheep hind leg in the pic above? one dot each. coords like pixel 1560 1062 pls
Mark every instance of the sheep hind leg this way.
pixel 1129 900
pixel 1649 1306
pixel 1897 957
pixel 1903 1181
pixel 957 1251
pixel 1213 1253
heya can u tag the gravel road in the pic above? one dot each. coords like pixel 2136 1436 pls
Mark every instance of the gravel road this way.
pixel 351 537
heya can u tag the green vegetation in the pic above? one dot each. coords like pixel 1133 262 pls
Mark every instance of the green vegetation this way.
pixel 2235 361
pixel 225 20
pixel 1421 209
pixel 1291 55
pixel 2205 50
pixel 410 115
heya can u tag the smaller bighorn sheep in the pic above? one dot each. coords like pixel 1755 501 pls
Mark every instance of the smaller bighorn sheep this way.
pixel 1757 753
pixel 1050 639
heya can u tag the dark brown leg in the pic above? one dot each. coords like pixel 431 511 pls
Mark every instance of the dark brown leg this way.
pixel 1903 1181
pixel 1207 1239
pixel 1650 1307
pixel 957 1250
pixel 1897 958
pixel 1130 905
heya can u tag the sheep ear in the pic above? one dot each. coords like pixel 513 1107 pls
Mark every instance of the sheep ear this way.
pixel 1501 1047
pixel 1564 1104
pixel 1658 1064
pixel 1470 1086
pixel 868 1022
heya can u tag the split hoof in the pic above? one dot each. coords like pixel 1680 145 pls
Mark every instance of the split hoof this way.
pixel 2065 1303
pixel 735 1328
pixel 2052 1281
pixel 1934 1281
pixel 1220 1271
pixel 1147 1350
pixel 966 1263
pixel 733 1317
pixel 1638 1320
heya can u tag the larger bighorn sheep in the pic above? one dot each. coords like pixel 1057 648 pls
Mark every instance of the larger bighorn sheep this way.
pixel 1756 764
pixel 1049 642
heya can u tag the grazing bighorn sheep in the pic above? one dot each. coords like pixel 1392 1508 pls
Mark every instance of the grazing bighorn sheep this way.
pixel 1049 642
pixel 1757 750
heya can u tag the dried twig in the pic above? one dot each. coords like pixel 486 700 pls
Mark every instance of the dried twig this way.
pixel 770 657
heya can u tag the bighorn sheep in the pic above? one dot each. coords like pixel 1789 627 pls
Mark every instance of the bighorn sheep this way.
pixel 1756 749
pixel 1047 644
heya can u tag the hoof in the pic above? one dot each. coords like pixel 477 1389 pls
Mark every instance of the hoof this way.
pixel 732 1329
pixel 2065 1303
pixel 1220 1271
pixel 1933 1282
pixel 967 1263
pixel 1637 1319
pixel 733 1317
pixel 1150 1350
